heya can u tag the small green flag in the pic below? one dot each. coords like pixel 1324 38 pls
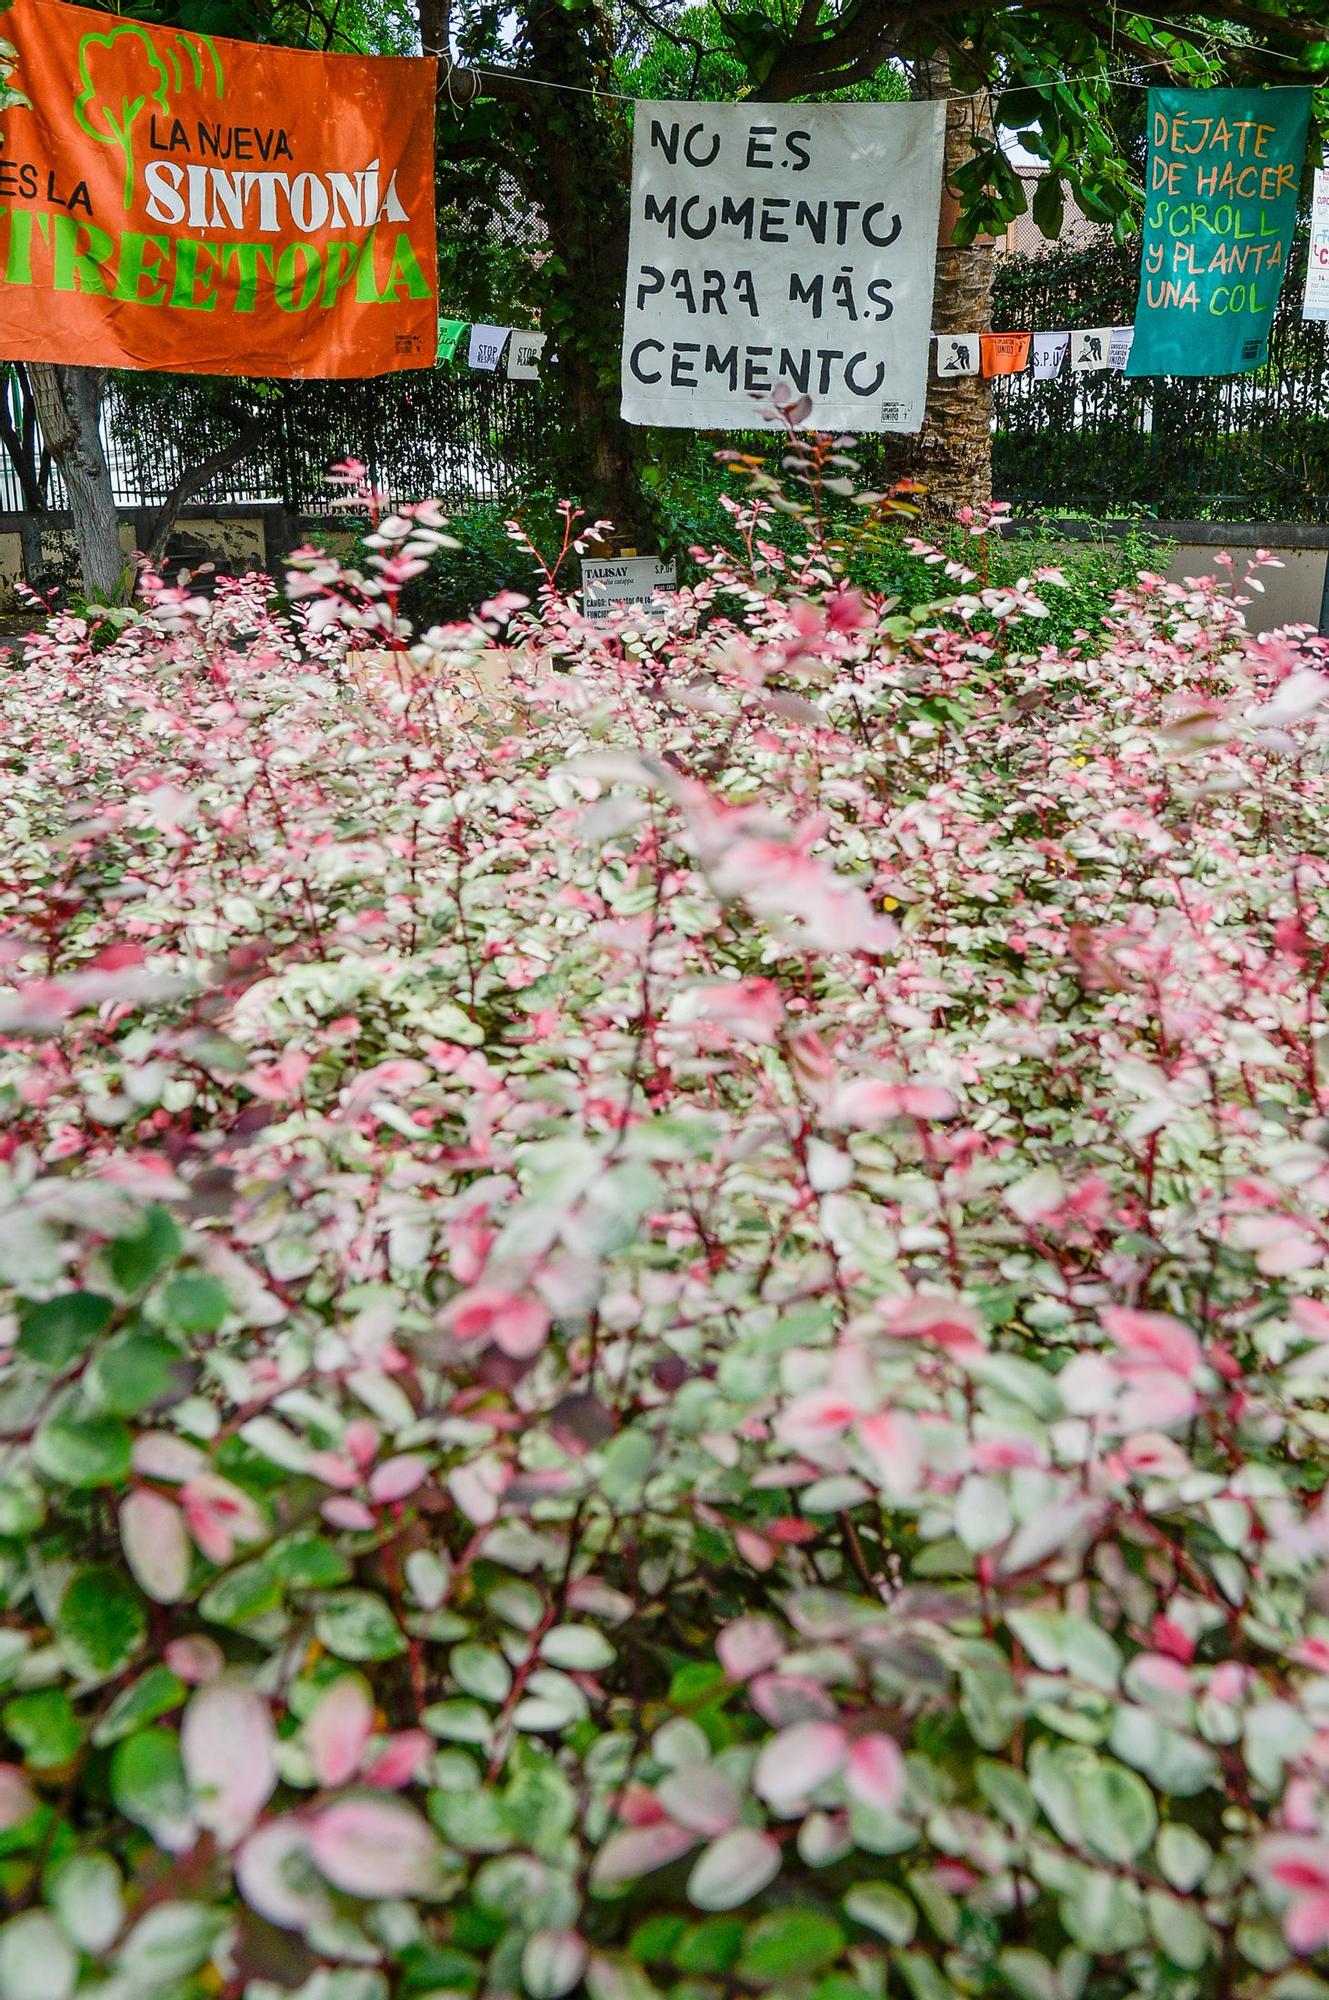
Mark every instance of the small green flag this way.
pixel 1223 178
pixel 450 332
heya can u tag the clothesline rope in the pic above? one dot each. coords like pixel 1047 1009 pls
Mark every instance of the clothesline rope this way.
pixel 1122 79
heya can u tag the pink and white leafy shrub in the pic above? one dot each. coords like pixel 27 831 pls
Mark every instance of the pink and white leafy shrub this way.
pixel 672 1339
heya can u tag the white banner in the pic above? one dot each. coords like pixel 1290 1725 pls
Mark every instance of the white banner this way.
pixel 1090 350
pixel 958 354
pixel 790 243
pixel 486 346
pixel 1119 347
pixel 1316 303
pixel 524 351
pixel 1049 355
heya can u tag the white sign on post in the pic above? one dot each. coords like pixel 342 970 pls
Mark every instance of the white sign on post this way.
pixel 1316 303
pixel 620 583
pixel 782 243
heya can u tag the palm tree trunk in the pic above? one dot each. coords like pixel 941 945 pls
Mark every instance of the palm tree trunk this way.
pixel 952 455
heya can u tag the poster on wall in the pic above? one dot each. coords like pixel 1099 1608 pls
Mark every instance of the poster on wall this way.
pixel 1222 178
pixel 170 200
pixel 781 243
pixel 1315 304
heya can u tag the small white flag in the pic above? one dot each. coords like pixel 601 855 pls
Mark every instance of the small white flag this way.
pixel 1049 355
pixel 1315 304
pixel 487 343
pixel 524 351
pixel 1119 348
pixel 1090 350
pixel 958 354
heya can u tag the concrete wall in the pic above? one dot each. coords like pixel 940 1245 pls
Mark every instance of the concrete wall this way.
pixel 1296 594
pixel 1292 595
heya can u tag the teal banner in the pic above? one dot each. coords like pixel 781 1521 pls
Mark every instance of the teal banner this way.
pixel 1221 205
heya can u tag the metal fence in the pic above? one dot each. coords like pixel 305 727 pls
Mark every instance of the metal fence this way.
pixel 1245 447
pixel 458 434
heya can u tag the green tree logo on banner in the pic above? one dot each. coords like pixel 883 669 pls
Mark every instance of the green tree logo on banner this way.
pixel 104 108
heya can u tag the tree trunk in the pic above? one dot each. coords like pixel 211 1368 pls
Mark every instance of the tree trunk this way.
pixel 578 172
pixel 952 455
pixel 69 402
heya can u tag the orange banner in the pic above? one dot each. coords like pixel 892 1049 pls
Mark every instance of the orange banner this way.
pixel 173 201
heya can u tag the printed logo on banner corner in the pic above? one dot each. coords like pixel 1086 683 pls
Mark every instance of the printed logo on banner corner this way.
pixel 271 209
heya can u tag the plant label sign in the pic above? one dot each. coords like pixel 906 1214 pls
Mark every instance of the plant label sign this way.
pixel 775 244
pixel 1316 302
pixel 1222 179
pixel 622 584
pixel 173 201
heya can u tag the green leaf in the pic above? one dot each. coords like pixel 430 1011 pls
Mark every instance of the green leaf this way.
pixel 45 1727
pixel 56 1332
pixel 148 1782
pixel 1179 1930
pixel 169 1943
pixel 653 1942
pixel 883 1909
pixel 154 1693
pixel 1183 1856
pixel 134 1261
pixel 243 1594
pixel 710 1950
pixel 83 1450
pixel 135 1370
pixel 481 1671
pixel 192 1303
pixel 37 1961
pixel 101 1623
pixel 357 1625
pixel 789 1944
pixel 86 1894
pixel 477 1821
pixel 309 1562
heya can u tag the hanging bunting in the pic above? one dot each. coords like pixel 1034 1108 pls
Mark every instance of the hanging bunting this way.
pixel 178 202
pixel 450 332
pixel 1090 350
pixel 524 351
pixel 487 344
pixel 1315 304
pixel 958 354
pixel 1119 347
pixel 1223 176
pixel 781 243
pixel 1006 353
pixel 1050 351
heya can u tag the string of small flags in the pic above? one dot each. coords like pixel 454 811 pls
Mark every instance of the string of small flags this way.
pixel 1095 350
pixel 486 345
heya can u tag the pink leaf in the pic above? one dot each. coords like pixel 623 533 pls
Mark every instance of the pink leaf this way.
pixel 226 1742
pixel 749 1646
pixel 375 1847
pixel 195 1659
pixel 338 1729
pixel 519 1326
pixel 927 1316
pixel 734 1869
pixel 875 1774
pixel 18 1801
pixel 893 1445
pixel 793 1764
pixel 156 1544
pixel 400 1760
pixel 637 1851
pixel 397 1477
